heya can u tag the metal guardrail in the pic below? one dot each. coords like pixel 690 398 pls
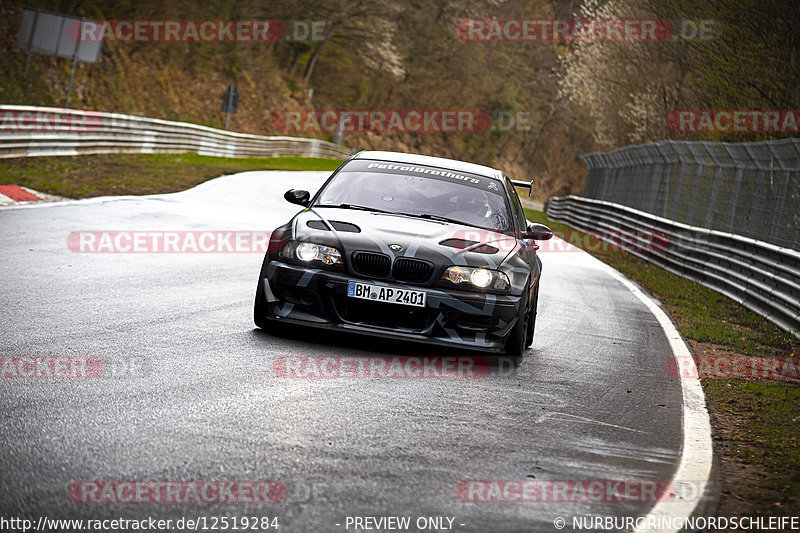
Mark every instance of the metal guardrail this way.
pixel 41 131
pixel 761 276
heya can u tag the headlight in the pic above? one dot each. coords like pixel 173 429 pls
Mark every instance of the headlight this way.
pixel 308 251
pixel 481 278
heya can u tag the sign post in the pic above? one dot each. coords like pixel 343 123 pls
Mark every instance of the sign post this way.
pixel 74 62
pixel 230 102
pixel 29 45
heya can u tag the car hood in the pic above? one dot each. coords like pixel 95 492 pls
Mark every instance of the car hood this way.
pixel 402 236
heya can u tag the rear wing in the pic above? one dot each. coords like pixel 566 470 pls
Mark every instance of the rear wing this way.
pixel 524 184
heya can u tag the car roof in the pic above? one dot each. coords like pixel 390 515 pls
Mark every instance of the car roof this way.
pixel 441 162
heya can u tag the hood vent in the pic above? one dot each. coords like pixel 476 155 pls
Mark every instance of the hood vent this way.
pixel 338 226
pixel 345 226
pixel 317 224
pixel 463 244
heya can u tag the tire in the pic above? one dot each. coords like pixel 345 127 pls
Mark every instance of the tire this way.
pixel 260 304
pixel 515 346
pixel 532 319
pixel 260 307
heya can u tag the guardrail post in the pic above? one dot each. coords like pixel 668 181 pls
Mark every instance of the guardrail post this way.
pixel 676 202
pixel 698 176
pixel 626 177
pixel 662 199
pixel 712 201
pixel 737 184
pixel 784 187
pixel 754 215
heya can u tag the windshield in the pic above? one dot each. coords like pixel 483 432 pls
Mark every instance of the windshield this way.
pixel 419 191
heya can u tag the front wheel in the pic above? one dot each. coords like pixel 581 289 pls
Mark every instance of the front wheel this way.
pixel 260 307
pixel 517 339
pixel 260 303
pixel 532 319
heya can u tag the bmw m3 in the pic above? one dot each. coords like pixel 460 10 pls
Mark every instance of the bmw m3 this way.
pixel 410 247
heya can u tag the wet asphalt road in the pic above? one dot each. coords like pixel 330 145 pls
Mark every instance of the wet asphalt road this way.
pixel 189 391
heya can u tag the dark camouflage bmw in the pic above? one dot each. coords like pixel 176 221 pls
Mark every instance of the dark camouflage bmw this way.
pixel 410 247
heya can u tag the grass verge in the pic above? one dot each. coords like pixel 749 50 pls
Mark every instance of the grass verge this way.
pixel 755 422
pixel 118 174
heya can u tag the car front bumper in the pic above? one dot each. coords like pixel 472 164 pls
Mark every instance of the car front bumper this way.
pixel 315 297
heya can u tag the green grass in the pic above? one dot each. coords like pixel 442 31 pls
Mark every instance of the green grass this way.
pixel 766 435
pixel 115 174
pixel 758 422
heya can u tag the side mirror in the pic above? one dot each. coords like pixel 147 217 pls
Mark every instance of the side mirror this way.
pixel 298 197
pixel 538 232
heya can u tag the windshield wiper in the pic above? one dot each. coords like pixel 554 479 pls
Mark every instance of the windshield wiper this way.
pixel 354 206
pixel 412 215
pixel 440 218
pixel 437 217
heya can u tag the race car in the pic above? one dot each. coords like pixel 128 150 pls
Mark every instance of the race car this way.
pixel 409 247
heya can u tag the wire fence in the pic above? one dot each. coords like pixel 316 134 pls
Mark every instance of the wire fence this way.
pixel 748 189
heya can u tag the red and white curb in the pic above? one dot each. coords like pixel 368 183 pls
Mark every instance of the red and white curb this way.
pixel 14 194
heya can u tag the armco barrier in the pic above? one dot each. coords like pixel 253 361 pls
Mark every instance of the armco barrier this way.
pixel 761 276
pixel 43 131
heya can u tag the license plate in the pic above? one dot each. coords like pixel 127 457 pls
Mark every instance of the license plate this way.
pixel 392 295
